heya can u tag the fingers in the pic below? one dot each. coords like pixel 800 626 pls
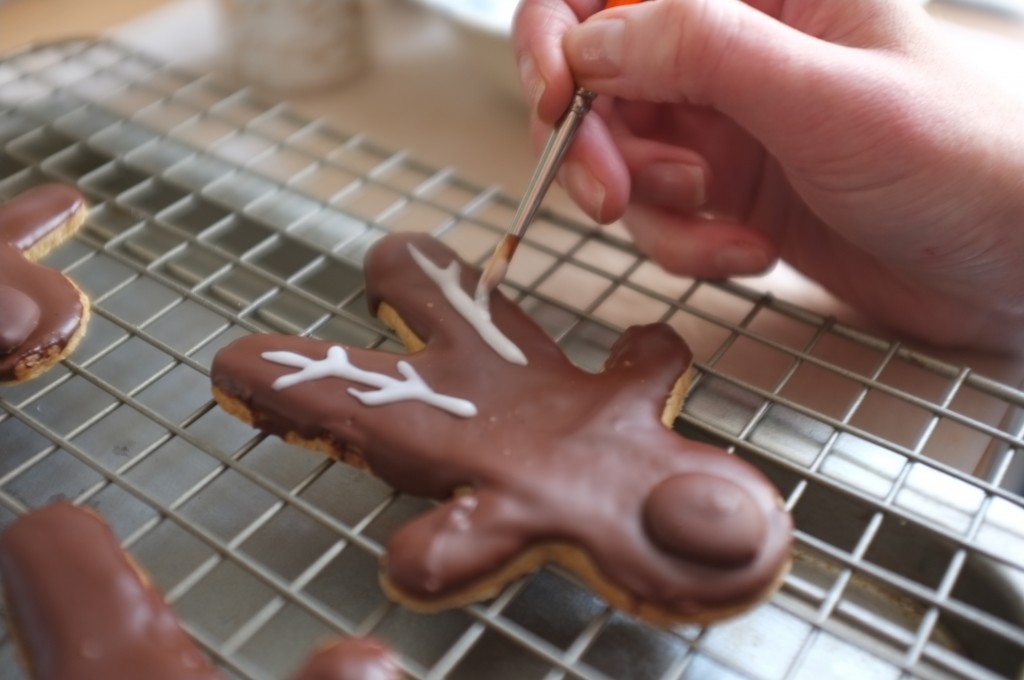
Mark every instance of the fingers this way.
pixel 676 184
pixel 758 70
pixel 602 166
pixel 593 171
pixel 702 247
pixel 725 54
pixel 608 166
pixel 662 174
pixel 538 29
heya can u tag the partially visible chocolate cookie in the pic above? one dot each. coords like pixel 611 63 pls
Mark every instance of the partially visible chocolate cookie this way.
pixel 351 659
pixel 43 314
pixel 80 609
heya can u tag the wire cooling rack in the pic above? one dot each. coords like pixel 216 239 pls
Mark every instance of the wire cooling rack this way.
pixel 214 214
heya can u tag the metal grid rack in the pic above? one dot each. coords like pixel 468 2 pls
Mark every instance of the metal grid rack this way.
pixel 214 214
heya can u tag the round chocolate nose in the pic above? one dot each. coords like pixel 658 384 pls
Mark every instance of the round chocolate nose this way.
pixel 704 519
pixel 19 316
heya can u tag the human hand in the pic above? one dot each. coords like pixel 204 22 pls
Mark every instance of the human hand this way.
pixel 838 136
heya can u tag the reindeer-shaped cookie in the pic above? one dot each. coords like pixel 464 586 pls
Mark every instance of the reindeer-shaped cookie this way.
pixel 534 459
pixel 42 313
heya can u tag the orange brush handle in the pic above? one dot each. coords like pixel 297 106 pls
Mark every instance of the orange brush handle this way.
pixel 621 3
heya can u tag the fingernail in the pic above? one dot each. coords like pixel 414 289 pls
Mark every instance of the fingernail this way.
pixel 533 84
pixel 675 185
pixel 598 46
pixel 584 187
pixel 742 259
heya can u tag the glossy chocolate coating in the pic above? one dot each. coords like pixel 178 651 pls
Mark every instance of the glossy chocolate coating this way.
pixel 26 221
pixel 705 519
pixel 32 216
pixel 351 659
pixel 555 455
pixel 19 316
pixel 79 608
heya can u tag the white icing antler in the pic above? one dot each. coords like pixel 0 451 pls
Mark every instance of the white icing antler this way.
pixel 389 390
pixel 476 314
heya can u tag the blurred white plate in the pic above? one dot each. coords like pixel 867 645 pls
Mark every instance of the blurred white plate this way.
pixel 485 28
pixel 487 15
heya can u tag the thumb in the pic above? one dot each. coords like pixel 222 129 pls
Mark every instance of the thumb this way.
pixel 722 53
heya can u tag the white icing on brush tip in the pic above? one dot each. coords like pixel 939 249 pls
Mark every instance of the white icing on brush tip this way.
pixel 476 312
pixel 389 390
pixel 481 296
pixel 495 272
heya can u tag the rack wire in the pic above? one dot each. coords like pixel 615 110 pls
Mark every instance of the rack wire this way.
pixel 215 214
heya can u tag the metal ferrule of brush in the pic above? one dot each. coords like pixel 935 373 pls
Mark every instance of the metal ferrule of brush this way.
pixel 551 160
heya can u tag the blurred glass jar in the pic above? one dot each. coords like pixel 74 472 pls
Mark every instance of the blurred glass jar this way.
pixel 295 45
